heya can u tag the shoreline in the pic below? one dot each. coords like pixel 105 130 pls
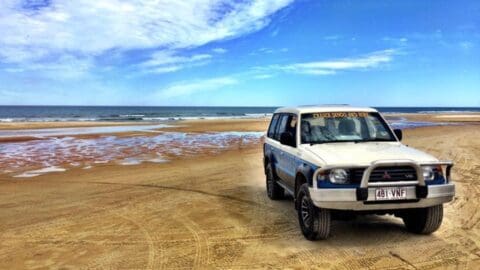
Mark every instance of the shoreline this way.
pixel 446 117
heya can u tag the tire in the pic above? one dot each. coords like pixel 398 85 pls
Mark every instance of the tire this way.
pixel 424 220
pixel 274 191
pixel 314 222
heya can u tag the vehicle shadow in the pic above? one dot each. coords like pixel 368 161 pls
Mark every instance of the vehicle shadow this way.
pixel 360 231
pixel 251 205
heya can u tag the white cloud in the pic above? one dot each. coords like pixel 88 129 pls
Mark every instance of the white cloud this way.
pixel 263 76
pixel 219 50
pixel 333 37
pixel 329 67
pixel 397 41
pixel 192 87
pixel 275 32
pixel 166 69
pixel 466 45
pixel 90 28
pixel 169 61
pixel 264 50
pixel 63 67
pixel 6 93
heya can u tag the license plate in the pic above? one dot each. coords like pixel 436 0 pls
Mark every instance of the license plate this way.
pixel 391 193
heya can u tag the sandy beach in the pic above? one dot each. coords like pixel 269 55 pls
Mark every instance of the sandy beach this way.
pixel 203 205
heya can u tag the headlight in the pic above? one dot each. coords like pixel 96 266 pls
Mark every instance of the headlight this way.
pixel 429 173
pixel 339 176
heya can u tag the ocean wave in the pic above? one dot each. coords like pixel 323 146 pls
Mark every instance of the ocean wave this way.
pixel 48 119
pixel 430 112
pixel 402 124
pixel 447 111
pixel 134 118
pixel 132 115
pixel 7 120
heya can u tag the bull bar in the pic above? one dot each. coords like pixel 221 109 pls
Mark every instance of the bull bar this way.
pixel 419 194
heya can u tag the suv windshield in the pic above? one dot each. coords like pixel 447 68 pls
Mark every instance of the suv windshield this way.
pixel 328 127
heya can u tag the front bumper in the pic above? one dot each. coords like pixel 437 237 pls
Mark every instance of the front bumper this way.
pixel 419 194
pixel 346 198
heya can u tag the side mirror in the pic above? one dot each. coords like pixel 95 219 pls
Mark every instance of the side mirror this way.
pixel 287 138
pixel 398 133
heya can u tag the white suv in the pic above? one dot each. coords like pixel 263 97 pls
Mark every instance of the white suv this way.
pixel 338 161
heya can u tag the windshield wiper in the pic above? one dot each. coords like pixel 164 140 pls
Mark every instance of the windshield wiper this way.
pixel 350 141
pixel 374 140
pixel 313 143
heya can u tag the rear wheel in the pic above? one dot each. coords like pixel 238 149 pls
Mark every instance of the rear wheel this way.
pixel 274 191
pixel 424 220
pixel 315 222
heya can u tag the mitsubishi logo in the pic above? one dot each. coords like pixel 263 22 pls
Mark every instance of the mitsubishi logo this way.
pixel 386 175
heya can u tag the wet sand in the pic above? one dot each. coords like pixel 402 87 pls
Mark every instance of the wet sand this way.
pixel 63 124
pixel 210 210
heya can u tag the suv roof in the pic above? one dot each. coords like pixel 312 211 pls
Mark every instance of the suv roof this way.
pixel 324 108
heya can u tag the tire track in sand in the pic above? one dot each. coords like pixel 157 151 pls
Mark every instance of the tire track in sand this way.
pixel 151 263
pixel 151 247
pixel 201 242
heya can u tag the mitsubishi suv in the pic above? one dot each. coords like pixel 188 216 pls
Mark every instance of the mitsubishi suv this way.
pixel 340 161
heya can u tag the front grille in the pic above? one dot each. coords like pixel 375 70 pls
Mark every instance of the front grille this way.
pixel 386 174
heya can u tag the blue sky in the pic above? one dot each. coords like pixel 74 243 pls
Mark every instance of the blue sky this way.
pixel 240 53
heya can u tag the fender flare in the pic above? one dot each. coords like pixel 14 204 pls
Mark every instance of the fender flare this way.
pixel 306 171
pixel 268 158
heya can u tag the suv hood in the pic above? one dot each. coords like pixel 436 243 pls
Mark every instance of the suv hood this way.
pixel 365 153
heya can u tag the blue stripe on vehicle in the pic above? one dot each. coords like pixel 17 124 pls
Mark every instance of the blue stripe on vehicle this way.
pixel 298 161
pixel 328 184
pixel 284 170
pixel 439 180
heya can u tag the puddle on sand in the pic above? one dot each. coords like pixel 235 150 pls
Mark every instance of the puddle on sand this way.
pixel 53 153
pixel 34 173
pixel 50 132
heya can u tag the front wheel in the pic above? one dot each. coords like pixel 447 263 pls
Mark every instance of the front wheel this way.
pixel 424 220
pixel 314 222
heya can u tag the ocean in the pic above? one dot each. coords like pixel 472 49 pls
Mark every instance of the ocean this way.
pixel 149 114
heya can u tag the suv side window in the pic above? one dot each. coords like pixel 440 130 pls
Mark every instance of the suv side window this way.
pixel 273 125
pixel 292 126
pixel 282 126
